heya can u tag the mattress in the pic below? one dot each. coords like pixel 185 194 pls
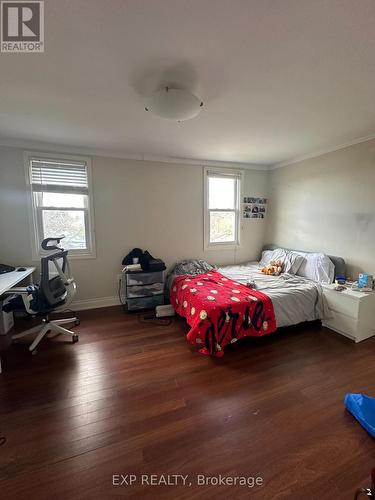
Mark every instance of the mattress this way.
pixel 295 299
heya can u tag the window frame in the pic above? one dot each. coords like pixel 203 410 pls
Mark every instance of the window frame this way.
pixel 233 174
pixel 35 210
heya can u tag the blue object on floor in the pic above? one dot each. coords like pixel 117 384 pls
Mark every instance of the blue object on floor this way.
pixel 362 407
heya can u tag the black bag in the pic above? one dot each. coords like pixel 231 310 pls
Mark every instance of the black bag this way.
pixel 146 260
pixel 135 253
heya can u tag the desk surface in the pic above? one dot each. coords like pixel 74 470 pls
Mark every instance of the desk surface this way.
pixel 9 280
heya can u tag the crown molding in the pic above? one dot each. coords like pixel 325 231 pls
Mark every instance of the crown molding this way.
pixel 321 152
pixel 62 148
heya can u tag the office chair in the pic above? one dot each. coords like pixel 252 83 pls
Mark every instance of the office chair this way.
pixel 52 294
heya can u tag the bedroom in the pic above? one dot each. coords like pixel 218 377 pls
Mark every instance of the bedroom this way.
pixel 288 121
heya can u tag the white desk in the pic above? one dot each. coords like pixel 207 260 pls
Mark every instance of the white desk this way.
pixel 9 280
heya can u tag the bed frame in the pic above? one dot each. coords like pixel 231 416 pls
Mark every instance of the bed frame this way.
pixel 338 262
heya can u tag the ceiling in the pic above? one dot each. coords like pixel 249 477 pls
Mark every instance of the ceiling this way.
pixel 279 78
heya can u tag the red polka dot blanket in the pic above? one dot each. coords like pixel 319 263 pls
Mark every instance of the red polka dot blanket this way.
pixel 220 311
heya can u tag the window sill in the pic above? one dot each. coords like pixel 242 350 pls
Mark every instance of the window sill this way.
pixel 222 246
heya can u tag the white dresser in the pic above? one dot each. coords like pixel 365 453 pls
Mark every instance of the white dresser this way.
pixel 351 313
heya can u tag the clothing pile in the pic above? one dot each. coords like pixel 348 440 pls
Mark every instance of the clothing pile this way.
pixel 145 259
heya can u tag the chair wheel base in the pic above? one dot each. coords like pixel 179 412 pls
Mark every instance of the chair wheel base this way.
pixel 34 352
pixel 75 339
pixel 77 322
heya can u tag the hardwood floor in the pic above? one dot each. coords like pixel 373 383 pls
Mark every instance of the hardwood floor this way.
pixel 135 398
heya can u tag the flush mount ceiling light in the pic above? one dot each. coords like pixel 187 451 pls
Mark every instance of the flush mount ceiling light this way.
pixel 174 104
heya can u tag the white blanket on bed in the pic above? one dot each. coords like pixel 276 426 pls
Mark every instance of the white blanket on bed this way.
pixel 295 299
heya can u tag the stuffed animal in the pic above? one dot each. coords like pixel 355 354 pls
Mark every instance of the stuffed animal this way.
pixel 274 268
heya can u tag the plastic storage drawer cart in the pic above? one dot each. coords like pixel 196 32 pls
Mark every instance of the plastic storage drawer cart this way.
pixel 144 290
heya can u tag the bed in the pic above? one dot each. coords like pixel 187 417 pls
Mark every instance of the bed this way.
pixel 220 308
pixel 295 299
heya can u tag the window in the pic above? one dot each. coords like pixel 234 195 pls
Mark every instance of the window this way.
pixel 222 208
pixel 61 201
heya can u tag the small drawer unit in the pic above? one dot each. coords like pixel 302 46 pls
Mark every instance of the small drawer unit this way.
pixel 350 313
pixel 144 290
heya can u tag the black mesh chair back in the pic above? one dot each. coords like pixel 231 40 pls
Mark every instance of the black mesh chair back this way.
pixel 53 289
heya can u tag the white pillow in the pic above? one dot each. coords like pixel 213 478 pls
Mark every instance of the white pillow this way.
pixel 266 258
pixel 279 254
pixel 317 267
pixel 293 262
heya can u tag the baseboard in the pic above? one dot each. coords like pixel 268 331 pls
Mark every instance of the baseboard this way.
pixel 81 305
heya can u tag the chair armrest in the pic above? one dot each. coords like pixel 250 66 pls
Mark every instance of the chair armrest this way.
pixel 17 291
pixel 27 297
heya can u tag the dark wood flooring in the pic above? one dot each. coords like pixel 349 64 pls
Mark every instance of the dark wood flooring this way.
pixel 135 398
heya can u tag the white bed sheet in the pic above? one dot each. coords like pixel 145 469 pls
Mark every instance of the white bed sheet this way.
pixel 295 299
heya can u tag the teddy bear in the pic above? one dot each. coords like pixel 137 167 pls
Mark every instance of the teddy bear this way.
pixel 274 268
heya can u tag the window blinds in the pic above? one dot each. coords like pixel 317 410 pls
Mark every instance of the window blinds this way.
pixel 233 174
pixel 58 176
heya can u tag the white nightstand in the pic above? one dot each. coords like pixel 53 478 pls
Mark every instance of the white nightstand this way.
pixel 351 313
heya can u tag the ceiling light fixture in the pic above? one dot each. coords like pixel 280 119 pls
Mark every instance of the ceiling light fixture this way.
pixel 174 104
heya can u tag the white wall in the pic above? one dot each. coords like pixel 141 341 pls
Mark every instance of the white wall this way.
pixel 327 204
pixel 155 206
